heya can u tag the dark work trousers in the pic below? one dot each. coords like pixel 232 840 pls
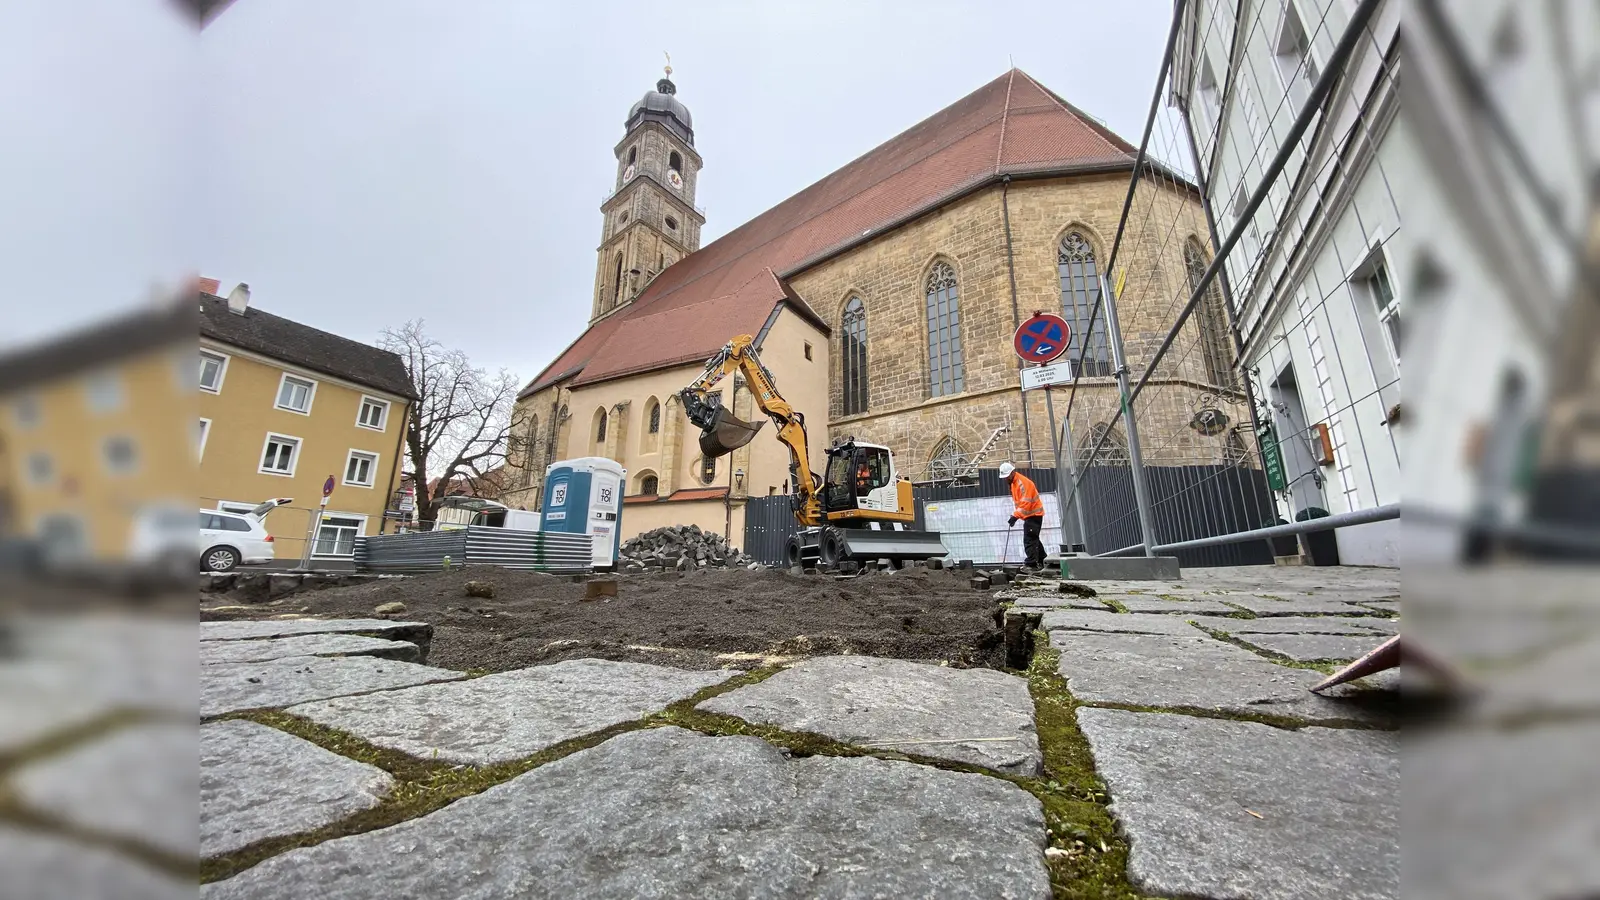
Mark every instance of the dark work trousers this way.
pixel 1030 540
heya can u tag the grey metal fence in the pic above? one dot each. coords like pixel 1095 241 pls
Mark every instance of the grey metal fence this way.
pixel 540 551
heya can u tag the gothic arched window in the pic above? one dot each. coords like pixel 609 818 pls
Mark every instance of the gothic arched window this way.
pixel 1114 452
pixel 853 361
pixel 648 483
pixel 1211 318
pixel 616 282
pixel 1080 291
pixel 947 460
pixel 633 155
pixel 600 421
pixel 945 371
pixel 655 417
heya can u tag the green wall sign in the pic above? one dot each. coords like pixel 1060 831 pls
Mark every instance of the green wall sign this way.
pixel 1272 458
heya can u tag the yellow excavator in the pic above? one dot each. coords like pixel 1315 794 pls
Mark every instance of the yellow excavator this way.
pixel 862 510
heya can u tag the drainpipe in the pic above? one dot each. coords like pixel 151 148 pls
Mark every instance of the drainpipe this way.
pixel 1016 316
pixel 394 471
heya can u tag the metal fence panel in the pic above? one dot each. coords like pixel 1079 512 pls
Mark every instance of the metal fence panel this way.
pixel 539 551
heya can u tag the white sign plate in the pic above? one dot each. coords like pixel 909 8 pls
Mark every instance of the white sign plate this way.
pixel 1039 376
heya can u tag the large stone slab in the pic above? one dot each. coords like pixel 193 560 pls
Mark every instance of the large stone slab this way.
pixel 498 718
pixel 212 652
pixel 415 632
pixel 1292 605
pixel 669 813
pixel 1183 789
pixel 1509 813
pixel 45 867
pixel 1085 620
pixel 63 673
pixel 1198 606
pixel 1316 647
pixel 258 782
pixel 299 679
pixel 1294 625
pixel 138 783
pixel 1201 673
pixel 976 716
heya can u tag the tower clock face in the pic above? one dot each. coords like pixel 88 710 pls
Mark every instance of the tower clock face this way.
pixel 674 179
pixel 627 173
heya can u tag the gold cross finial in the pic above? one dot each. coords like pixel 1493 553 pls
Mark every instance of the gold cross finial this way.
pixel 669 62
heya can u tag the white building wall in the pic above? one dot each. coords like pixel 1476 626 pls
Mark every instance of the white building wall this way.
pixel 1309 320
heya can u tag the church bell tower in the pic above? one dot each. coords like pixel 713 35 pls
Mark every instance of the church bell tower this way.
pixel 650 218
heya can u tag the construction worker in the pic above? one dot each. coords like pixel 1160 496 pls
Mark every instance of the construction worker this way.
pixel 1030 509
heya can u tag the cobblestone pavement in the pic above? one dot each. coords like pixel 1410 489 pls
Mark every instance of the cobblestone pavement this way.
pixel 358 770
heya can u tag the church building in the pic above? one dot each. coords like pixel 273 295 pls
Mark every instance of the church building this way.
pixel 883 299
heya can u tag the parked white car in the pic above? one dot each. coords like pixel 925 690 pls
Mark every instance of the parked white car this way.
pixel 228 540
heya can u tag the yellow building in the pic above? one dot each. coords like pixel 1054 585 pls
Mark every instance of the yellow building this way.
pixel 94 433
pixel 282 408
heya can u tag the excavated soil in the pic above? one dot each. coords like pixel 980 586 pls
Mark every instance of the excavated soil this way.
pixel 700 619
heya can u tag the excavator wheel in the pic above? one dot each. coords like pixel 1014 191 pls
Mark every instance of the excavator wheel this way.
pixel 833 548
pixel 791 552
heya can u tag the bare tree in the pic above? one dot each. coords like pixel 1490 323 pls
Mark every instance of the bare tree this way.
pixel 460 428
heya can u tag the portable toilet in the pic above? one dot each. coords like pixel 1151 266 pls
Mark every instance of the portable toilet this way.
pixel 584 496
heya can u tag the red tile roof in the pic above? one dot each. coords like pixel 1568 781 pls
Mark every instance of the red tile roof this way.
pixel 1011 125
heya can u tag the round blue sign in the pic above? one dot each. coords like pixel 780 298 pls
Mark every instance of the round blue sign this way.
pixel 1042 338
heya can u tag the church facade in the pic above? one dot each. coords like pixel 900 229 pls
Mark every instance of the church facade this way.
pixel 883 299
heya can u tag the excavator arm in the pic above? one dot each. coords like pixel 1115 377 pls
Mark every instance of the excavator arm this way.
pixel 721 433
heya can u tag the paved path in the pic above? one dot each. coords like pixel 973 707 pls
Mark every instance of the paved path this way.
pixel 336 762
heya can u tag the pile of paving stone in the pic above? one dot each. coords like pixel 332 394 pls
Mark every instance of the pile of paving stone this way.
pixel 681 548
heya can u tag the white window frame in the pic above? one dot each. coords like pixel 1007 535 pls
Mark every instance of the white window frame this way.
pixel 1299 74
pixel 372 470
pixel 205 435
pixel 1360 280
pixel 34 478
pixel 316 534
pixel 110 381
pixel 311 396
pixel 222 372
pixel 294 457
pixel 28 401
pixel 383 420
pixel 105 455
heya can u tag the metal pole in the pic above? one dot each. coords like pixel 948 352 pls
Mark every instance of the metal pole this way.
pixel 1141 490
pixel 1055 448
pixel 1072 470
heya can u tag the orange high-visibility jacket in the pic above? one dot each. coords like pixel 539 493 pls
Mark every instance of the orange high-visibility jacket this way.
pixel 1026 497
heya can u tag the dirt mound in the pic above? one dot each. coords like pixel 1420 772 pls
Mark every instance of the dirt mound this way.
pixel 700 619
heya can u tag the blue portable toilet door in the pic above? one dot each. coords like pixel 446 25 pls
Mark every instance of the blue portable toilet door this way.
pixel 603 517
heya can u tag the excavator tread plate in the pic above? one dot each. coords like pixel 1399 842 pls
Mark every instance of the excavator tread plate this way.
pixel 866 543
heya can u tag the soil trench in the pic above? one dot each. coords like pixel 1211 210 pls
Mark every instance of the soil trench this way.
pixel 703 619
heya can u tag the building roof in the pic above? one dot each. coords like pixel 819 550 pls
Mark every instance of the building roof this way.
pixel 304 346
pixel 152 329
pixel 1010 126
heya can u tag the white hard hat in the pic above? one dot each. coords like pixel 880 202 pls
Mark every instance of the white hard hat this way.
pixel 1006 469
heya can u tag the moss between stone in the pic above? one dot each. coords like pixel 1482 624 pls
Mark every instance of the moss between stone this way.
pixel 1114 603
pixel 1272 656
pixel 14 812
pixel 421 785
pixel 1092 861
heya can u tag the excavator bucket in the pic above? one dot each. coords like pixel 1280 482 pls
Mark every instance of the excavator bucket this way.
pixel 726 434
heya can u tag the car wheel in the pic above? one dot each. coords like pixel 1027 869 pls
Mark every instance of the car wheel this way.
pixel 220 559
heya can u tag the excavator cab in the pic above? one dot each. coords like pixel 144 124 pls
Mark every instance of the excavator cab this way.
pixel 854 473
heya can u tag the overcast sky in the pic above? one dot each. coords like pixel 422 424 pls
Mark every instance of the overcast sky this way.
pixel 364 162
